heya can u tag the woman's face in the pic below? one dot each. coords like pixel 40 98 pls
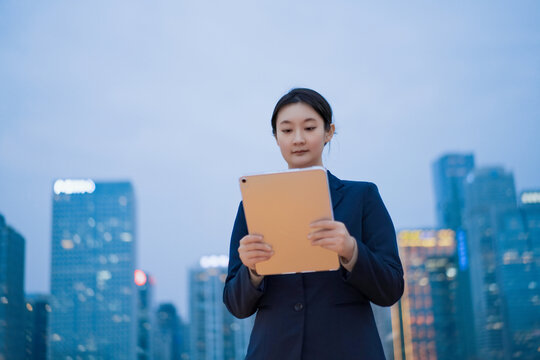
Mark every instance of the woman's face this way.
pixel 301 136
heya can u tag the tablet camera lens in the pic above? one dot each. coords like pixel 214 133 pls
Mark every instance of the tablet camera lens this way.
pixel 244 180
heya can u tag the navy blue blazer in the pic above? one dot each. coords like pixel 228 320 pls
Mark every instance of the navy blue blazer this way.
pixel 323 315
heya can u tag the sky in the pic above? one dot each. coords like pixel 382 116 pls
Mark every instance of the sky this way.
pixel 176 97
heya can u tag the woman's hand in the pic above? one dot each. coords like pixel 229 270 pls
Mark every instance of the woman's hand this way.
pixel 332 235
pixel 254 250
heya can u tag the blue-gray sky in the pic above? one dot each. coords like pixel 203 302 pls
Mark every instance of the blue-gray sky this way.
pixel 177 96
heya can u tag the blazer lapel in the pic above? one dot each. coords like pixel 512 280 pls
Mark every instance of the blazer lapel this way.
pixel 335 189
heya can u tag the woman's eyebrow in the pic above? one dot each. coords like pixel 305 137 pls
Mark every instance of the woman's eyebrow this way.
pixel 286 122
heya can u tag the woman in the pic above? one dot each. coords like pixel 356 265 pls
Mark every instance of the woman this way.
pixel 319 315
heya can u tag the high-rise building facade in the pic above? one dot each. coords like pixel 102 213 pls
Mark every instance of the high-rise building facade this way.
pixel 11 293
pixel 489 196
pixel 518 276
pixel 145 285
pixel 171 335
pixel 215 333
pixel 36 326
pixel 425 320
pixel 93 294
pixel 449 173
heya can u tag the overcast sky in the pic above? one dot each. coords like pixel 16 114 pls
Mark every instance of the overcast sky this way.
pixel 177 96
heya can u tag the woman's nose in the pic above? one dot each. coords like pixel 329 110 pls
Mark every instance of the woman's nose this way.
pixel 298 137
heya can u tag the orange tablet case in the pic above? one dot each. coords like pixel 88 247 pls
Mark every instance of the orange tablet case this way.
pixel 280 206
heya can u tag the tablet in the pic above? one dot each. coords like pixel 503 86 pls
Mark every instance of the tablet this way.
pixel 280 206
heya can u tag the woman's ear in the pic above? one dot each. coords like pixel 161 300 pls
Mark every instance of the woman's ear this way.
pixel 329 134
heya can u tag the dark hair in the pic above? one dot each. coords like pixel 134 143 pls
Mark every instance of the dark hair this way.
pixel 308 97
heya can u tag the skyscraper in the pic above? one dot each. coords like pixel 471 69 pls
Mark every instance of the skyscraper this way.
pixel 518 274
pixel 215 333
pixel 37 316
pixel 145 289
pixel 93 294
pixel 11 293
pixel 425 319
pixel 449 172
pixel 171 335
pixel 530 208
pixel 489 193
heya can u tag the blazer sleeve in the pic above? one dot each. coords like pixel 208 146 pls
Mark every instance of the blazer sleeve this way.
pixel 239 295
pixel 378 272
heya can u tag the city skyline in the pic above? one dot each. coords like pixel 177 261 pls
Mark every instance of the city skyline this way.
pixel 177 98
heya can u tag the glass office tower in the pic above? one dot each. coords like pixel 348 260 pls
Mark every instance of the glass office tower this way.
pixel 36 324
pixel 489 193
pixel 93 294
pixel 425 319
pixel 518 276
pixel 12 314
pixel 145 289
pixel 171 335
pixel 449 173
pixel 215 333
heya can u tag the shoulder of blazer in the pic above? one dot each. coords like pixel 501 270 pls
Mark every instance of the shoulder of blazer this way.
pixel 337 184
pixel 356 189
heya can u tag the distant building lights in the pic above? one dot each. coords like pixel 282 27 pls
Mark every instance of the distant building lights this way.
pixel 462 250
pixel 70 186
pixel 214 261
pixel 140 277
pixel 426 238
pixel 126 237
pixel 530 197
pixel 67 244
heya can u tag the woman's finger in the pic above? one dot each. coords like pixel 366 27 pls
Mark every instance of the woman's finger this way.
pixel 248 239
pixel 255 246
pixel 328 224
pixel 253 253
pixel 320 234
pixel 327 242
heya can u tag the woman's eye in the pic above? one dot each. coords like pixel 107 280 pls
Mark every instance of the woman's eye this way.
pixel 286 131
pixel 310 128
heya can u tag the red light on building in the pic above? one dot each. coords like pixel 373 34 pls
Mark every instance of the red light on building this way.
pixel 140 277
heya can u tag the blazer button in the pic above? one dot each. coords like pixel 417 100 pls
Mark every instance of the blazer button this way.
pixel 298 307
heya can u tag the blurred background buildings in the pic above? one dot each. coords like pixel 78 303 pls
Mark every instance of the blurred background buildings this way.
pixel 215 333
pixel 472 284
pixel 93 293
pixel 471 289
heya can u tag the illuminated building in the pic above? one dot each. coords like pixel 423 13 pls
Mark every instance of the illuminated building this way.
pixel 93 295
pixel 530 208
pixel 11 293
pixel 504 267
pixel 171 336
pixel 37 315
pixel 215 333
pixel 518 276
pixel 145 284
pixel 425 319
pixel 449 173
